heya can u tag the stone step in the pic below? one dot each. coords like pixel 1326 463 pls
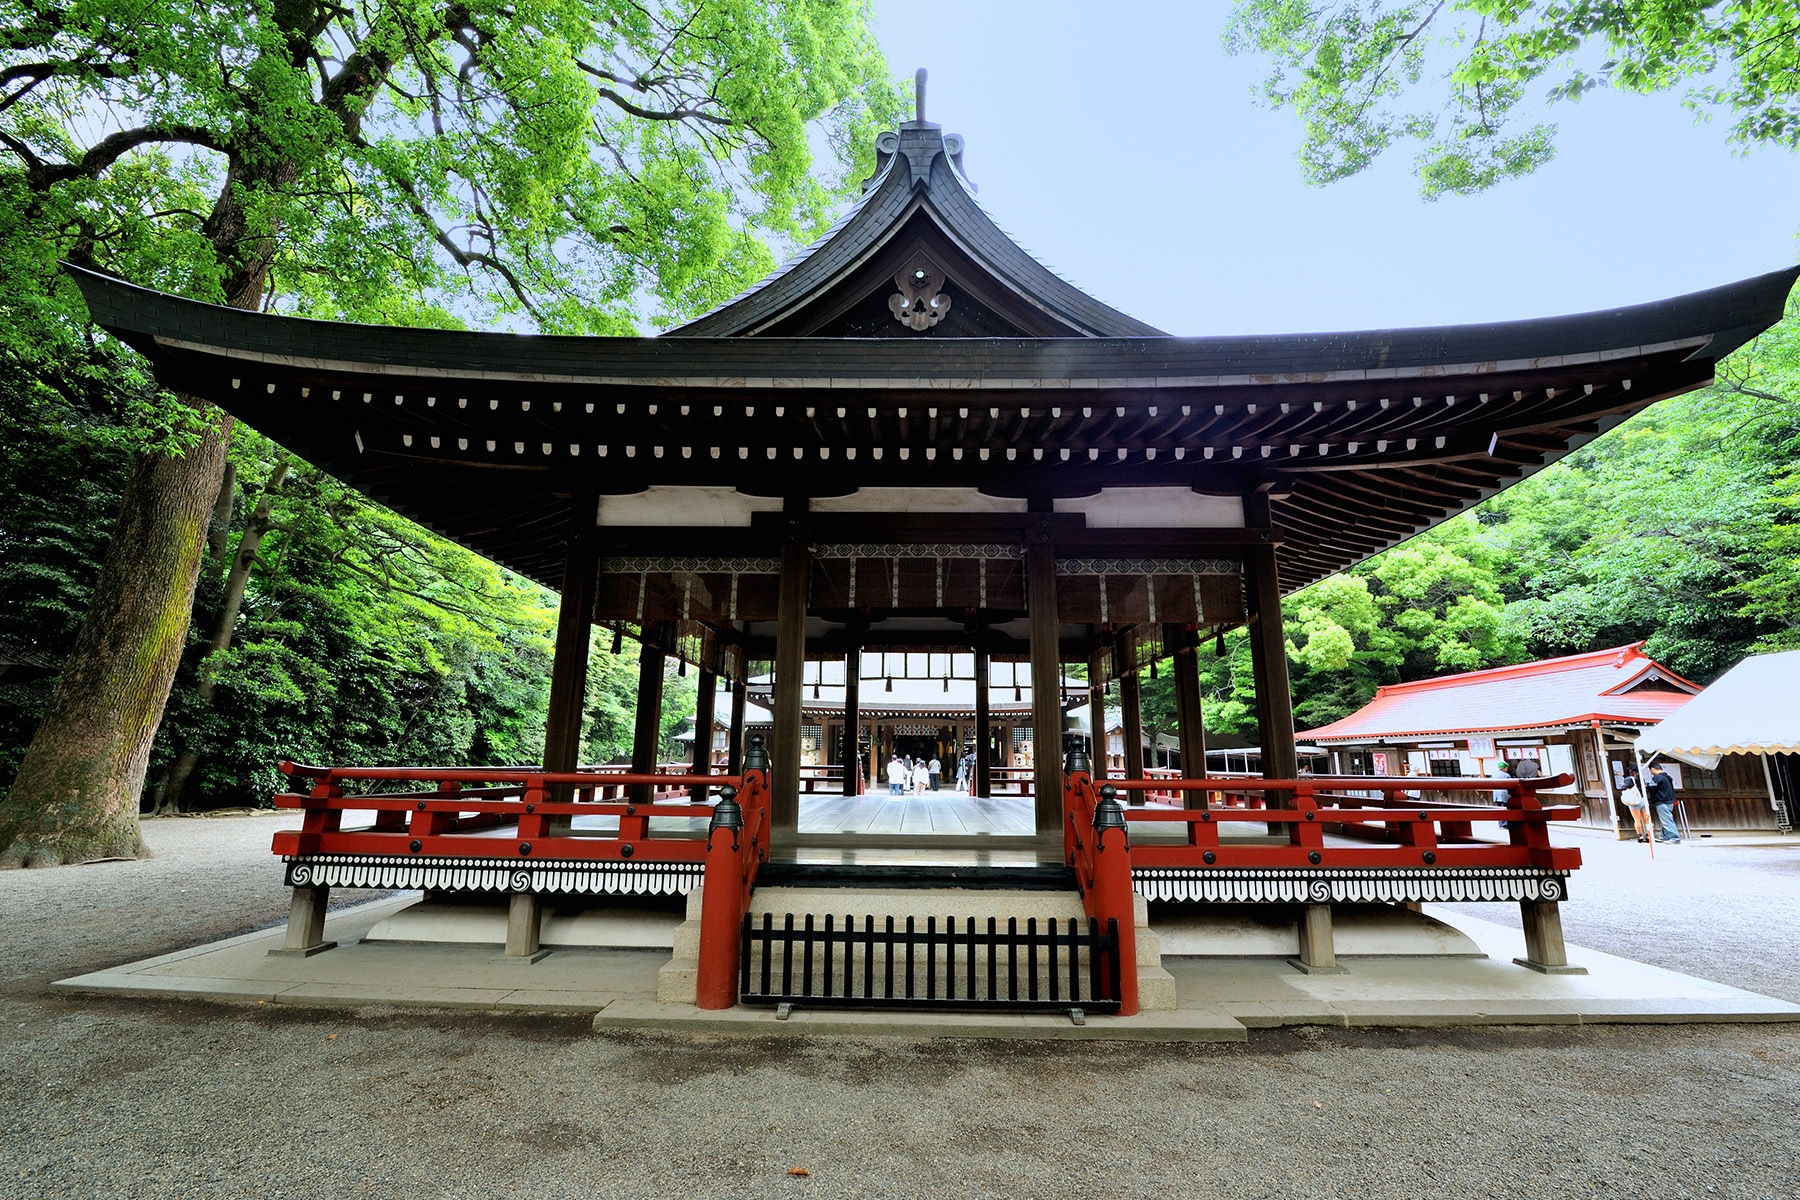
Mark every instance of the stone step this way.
pixel 676 983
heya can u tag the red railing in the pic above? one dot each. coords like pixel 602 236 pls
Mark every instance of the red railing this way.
pixel 455 820
pixel 1422 835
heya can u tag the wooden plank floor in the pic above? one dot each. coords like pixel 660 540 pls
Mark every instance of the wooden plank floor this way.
pixel 943 812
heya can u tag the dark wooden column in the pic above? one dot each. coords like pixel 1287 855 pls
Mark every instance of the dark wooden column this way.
pixel 574 630
pixel 983 783
pixel 852 754
pixel 1191 714
pixel 1096 725
pixel 1268 659
pixel 646 738
pixel 703 730
pixel 1046 685
pixel 734 750
pixel 1131 710
pixel 790 670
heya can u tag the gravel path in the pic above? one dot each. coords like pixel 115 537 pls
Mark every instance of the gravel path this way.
pixel 123 1097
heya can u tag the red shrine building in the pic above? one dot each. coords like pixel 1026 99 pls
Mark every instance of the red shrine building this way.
pixel 915 439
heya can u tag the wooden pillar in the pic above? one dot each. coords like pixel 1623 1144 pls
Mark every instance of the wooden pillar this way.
pixel 703 732
pixel 306 923
pixel 574 630
pixel 983 783
pixel 790 670
pixel 646 737
pixel 853 719
pixel 1131 710
pixel 1268 658
pixel 734 738
pixel 1096 727
pixel 1191 715
pixel 1046 685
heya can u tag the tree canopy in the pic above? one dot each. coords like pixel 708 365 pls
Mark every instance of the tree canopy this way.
pixel 1469 81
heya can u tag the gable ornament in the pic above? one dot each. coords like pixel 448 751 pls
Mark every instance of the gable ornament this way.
pixel 921 302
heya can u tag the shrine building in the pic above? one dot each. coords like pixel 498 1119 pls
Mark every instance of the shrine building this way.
pixel 914 439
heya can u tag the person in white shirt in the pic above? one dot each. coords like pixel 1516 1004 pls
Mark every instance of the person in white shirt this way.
pixel 921 777
pixel 896 773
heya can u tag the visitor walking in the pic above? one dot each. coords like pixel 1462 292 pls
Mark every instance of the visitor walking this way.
pixel 935 768
pixel 1662 803
pixel 1632 796
pixel 921 777
pixel 896 773
pixel 1502 797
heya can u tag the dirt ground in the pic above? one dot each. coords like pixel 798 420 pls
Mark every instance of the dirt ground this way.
pixel 108 1096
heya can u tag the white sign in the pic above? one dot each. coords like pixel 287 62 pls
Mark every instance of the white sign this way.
pixel 1481 747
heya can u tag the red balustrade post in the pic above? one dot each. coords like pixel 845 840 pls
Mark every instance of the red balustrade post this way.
pixel 721 904
pixel 1110 897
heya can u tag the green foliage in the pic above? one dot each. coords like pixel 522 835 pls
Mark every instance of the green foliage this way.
pixel 1463 78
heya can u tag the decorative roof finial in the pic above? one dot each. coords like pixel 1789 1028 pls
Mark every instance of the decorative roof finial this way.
pixel 919 95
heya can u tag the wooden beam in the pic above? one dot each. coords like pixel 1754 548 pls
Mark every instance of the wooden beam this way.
pixel 1190 715
pixel 1046 685
pixel 734 749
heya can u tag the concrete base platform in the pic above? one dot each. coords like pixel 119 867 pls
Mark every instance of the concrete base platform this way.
pixel 1218 997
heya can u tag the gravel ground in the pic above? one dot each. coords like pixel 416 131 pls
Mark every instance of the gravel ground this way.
pixel 121 1097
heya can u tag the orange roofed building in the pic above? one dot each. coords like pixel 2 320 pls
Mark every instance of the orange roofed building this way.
pixel 1578 715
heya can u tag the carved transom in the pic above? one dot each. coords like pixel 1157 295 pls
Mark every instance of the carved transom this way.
pixel 921 302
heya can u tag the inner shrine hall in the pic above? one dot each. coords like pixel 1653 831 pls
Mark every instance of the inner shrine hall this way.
pixel 913 439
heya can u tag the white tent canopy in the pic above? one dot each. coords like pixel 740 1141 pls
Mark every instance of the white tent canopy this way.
pixel 1752 709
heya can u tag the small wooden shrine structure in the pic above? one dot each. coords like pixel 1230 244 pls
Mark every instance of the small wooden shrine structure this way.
pixel 915 437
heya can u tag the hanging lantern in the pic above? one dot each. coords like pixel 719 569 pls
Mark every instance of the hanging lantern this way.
pixel 1219 644
pixel 618 640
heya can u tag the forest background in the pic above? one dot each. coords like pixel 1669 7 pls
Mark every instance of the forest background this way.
pixel 358 637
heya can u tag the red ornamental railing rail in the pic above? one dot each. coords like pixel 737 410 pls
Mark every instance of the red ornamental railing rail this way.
pixel 455 819
pixel 1422 835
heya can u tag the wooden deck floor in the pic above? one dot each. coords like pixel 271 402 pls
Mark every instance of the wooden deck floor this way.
pixel 944 813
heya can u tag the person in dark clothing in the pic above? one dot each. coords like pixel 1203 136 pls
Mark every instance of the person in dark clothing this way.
pixel 1662 803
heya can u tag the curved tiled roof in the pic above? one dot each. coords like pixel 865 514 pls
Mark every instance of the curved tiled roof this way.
pixel 918 174
pixel 1536 695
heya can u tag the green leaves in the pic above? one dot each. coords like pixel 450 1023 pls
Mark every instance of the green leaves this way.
pixel 1465 79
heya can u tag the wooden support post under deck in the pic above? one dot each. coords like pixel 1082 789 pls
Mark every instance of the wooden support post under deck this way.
pixel 1268 658
pixel 983 783
pixel 852 751
pixel 1131 710
pixel 306 923
pixel 1318 952
pixel 646 738
pixel 1046 686
pixel 1544 949
pixel 1190 711
pixel 703 731
pixel 790 670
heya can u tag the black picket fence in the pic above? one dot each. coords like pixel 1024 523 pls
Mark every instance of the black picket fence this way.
pixel 1053 965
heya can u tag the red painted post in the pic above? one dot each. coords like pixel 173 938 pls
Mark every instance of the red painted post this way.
pixel 721 905
pixel 1111 891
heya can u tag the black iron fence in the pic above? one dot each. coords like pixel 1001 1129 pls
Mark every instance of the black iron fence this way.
pixel 1048 965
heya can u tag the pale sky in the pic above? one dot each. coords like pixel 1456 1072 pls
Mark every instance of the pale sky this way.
pixel 1121 145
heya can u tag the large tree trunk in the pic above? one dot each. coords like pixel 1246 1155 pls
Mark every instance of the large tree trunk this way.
pixel 237 582
pixel 76 795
